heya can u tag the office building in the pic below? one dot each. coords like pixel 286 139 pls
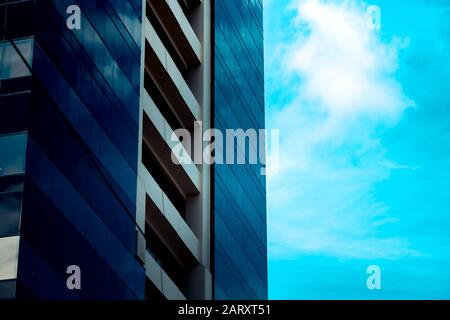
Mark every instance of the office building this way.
pixel 88 111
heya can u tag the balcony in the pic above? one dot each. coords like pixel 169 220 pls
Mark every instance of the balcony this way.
pixel 161 280
pixel 165 220
pixel 165 74
pixel 157 136
pixel 178 29
pixel 189 4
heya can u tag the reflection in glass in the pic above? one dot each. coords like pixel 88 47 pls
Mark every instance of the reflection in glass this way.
pixel 12 167
pixel 12 154
pixel 11 63
pixel 10 204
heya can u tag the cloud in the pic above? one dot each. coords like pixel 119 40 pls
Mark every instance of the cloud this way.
pixel 345 68
pixel 323 199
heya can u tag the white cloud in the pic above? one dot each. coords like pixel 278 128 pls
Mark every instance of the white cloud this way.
pixel 322 200
pixel 345 67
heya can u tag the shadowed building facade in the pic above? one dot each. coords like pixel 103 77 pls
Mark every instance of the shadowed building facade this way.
pixel 240 241
pixel 86 177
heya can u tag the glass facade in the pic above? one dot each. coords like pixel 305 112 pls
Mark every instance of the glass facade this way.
pixel 73 95
pixel 69 139
pixel 240 241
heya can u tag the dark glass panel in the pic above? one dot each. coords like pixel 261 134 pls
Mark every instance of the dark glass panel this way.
pixel 12 154
pixel 10 204
pixel 240 249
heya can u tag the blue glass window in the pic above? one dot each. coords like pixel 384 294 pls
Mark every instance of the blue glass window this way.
pixel 12 154
pixel 11 62
pixel 12 166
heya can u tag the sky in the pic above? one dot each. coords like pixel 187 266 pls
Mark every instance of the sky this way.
pixel 364 120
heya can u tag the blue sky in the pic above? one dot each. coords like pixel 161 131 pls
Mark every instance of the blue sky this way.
pixel 364 119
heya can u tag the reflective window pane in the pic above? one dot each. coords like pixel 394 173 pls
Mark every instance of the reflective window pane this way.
pixel 10 204
pixel 11 63
pixel 7 289
pixel 12 154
